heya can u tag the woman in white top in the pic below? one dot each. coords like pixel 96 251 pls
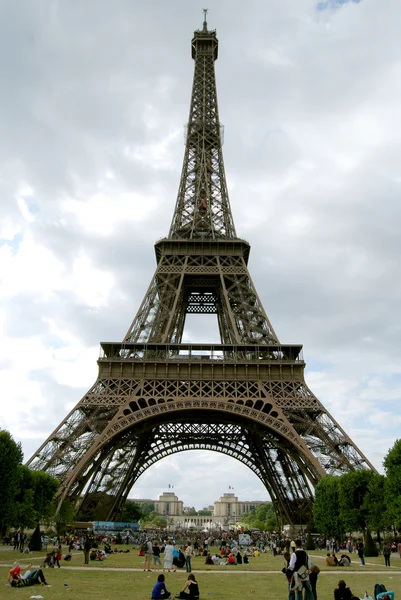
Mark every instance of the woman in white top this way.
pixel 168 556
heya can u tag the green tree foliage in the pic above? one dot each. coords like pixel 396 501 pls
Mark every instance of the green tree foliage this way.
pixel 64 517
pixel 155 519
pixel 353 489
pixel 132 512
pixel 34 499
pixel 326 510
pixel 375 504
pixel 147 508
pixel 10 459
pixel 392 464
pixel 45 487
pixel 205 513
pixel 26 496
pixel 160 521
pixel 263 518
pixel 25 514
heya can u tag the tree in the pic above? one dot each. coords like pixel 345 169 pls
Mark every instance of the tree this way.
pixel 375 503
pixel 392 465
pixel 132 512
pixel 10 458
pixel 25 514
pixel 64 517
pixel 147 508
pixel 205 512
pixel 160 521
pixel 263 517
pixel 326 511
pixel 353 488
pixel 45 487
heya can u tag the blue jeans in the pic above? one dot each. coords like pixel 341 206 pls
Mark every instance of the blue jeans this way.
pixel 188 563
pixel 306 592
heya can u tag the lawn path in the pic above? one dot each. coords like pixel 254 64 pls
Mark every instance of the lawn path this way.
pixel 204 572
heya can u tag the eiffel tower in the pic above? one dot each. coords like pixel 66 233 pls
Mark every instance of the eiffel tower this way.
pixel 155 395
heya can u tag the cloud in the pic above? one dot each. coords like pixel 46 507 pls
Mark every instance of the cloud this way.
pixel 333 4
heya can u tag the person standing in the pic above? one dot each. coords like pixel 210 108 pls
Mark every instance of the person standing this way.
pixel 148 555
pixel 313 575
pixel 156 555
pixel 87 549
pixel 58 555
pixel 386 554
pixel 168 556
pixel 300 583
pixel 361 553
pixel 188 554
pixel 288 574
pixel 17 537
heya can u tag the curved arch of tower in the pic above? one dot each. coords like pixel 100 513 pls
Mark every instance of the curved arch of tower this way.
pixel 154 396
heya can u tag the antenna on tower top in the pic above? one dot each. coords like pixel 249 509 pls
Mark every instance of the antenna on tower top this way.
pixel 205 11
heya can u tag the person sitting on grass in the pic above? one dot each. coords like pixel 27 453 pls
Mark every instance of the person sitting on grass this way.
pixel 159 589
pixel 191 585
pixel 345 561
pixel 342 592
pixel 231 559
pixel 208 559
pixel 331 560
pixel 35 577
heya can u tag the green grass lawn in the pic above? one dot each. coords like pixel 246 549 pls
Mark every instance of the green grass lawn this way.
pixel 104 582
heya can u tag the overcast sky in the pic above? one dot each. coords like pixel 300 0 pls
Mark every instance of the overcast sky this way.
pixel 94 97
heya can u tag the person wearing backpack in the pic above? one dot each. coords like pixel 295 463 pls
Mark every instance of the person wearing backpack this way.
pixel 300 563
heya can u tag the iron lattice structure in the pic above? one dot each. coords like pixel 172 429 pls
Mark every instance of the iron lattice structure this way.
pixel 245 397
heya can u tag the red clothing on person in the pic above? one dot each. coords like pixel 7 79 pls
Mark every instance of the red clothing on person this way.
pixel 16 570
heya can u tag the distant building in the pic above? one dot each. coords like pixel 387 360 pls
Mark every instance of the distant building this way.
pixel 228 505
pixel 226 512
pixel 168 505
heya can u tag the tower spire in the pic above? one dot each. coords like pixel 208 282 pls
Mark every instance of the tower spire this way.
pixel 203 209
pixel 205 11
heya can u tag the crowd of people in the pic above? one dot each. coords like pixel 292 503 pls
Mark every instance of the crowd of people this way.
pixel 301 573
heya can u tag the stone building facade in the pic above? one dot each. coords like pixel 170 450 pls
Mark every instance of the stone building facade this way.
pixel 227 512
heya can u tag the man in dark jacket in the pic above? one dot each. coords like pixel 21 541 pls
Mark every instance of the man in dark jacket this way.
pixel 300 561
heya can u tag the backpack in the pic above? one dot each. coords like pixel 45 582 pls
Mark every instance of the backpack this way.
pixel 144 546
